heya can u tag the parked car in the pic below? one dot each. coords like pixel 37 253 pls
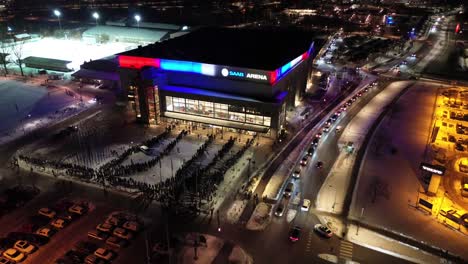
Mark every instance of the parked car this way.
pixel 14 255
pixel 117 242
pixel 93 259
pixel 4 260
pixel 46 231
pixel 105 227
pixel 114 221
pixel 132 226
pixel 105 254
pixel 323 230
pixel 98 235
pixel 78 209
pixel 305 205
pixel 123 233
pixel 58 223
pixel 47 212
pixel 295 234
pixel 24 247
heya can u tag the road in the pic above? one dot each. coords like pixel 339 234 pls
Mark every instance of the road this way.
pixel 275 237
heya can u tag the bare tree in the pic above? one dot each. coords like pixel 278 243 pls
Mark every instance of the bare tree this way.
pixel 5 50
pixel 17 53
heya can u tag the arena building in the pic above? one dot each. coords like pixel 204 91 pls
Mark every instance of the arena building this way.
pixel 236 79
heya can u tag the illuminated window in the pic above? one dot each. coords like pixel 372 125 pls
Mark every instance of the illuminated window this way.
pixel 179 104
pixel 169 105
pixel 239 117
pixel 192 106
pixel 206 108
pixel 267 121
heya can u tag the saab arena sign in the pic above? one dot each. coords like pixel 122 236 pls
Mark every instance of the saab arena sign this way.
pixel 225 72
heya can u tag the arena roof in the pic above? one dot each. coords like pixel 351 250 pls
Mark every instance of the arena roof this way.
pixel 265 49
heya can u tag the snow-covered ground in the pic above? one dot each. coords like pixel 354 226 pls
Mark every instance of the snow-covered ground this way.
pixel 73 50
pixel 183 151
pixel 24 107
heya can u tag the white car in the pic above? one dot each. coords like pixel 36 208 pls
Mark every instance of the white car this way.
pixel 323 230
pixel 24 247
pixel 14 255
pixel 305 205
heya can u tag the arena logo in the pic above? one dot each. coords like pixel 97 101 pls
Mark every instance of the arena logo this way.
pixel 225 72
pixel 257 76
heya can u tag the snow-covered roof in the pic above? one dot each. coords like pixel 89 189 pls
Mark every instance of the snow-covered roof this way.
pixel 148 35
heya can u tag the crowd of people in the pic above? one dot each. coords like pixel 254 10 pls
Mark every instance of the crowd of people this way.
pixel 74 170
pixel 212 177
pixel 129 151
pixel 119 170
pixel 190 179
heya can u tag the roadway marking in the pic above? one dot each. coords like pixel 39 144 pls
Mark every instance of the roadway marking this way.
pixel 346 250
pixel 309 242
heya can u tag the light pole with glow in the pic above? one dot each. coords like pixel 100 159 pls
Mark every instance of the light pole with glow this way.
pixel 138 19
pixel 96 17
pixel 58 14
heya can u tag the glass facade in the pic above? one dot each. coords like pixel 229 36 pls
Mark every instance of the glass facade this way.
pixel 215 110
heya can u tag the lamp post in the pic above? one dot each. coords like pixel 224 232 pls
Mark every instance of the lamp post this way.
pixel 138 19
pixel 58 14
pixel 96 17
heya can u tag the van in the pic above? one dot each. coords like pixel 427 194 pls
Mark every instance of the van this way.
pixel 289 189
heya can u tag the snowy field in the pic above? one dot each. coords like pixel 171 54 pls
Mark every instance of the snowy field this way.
pixel 73 50
pixel 24 107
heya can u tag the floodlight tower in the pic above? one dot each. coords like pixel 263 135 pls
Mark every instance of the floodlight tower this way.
pixel 138 19
pixel 58 14
pixel 96 17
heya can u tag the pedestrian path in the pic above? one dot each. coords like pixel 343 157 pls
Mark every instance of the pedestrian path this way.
pixel 346 250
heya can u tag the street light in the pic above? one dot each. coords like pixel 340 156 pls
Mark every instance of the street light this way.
pixel 138 19
pixel 58 14
pixel 96 16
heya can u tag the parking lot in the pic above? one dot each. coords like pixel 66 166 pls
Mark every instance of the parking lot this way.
pixel 57 227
